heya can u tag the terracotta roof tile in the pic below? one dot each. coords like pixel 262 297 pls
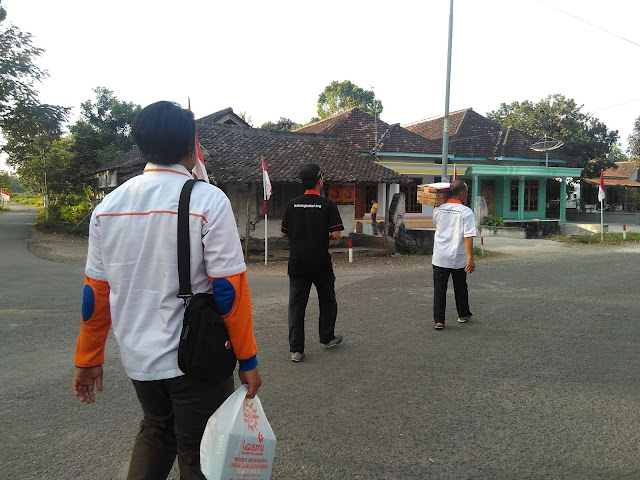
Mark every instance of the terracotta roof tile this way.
pixel 359 128
pixel 622 169
pixel 233 156
pixel 472 135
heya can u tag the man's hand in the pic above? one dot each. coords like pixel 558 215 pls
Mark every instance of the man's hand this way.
pixel 84 380
pixel 252 379
pixel 470 267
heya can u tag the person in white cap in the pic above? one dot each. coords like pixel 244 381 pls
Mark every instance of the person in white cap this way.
pixel 453 253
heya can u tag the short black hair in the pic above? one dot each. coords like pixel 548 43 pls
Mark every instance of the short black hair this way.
pixel 310 173
pixel 164 132
pixel 456 187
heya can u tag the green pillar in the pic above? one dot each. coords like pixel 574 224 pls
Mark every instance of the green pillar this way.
pixel 475 191
pixel 521 198
pixel 563 199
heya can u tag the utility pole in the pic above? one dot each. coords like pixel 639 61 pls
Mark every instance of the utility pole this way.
pixel 445 126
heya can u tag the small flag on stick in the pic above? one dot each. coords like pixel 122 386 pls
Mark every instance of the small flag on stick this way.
pixel 199 170
pixel 455 171
pixel 601 192
pixel 266 183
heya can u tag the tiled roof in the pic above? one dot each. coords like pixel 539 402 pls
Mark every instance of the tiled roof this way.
pixel 233 156
pixel 472 135
pixel 128 161
pixel 622 170
pixel 432 129
pixel 619 182
pixel 218 117
pixel 359 129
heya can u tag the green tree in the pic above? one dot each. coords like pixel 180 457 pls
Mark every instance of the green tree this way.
pixel 339 97
pixel 56 165
pixel 30 128
pixel 24 122
pixel 634 139
pixel 103 131
pixel 282 125
pixel 616 154
pixel 587 140
pixel 18 71
pixel 5 180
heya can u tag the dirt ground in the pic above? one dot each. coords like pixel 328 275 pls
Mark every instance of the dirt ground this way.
pixel 70 249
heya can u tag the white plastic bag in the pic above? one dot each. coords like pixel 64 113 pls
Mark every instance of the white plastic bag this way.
pixel 238 442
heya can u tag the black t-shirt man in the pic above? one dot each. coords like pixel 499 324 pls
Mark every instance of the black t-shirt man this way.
pixel 308 220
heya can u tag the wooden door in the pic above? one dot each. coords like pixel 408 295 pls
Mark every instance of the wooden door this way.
pixel 488 191
pixel 361 200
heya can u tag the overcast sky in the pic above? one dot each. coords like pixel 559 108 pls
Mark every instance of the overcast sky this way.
pixel 272 59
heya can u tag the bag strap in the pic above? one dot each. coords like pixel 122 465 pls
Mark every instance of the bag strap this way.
pixel 184 251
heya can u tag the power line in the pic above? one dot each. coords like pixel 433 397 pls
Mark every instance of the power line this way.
pixel 616 105
pixel 589 23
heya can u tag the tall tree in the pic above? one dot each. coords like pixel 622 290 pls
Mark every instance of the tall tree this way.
pixel 587 140
pixel 282 125
pixel 634 139
pixel 103 131
pixel 24 121
pixel 341 96
pixel 57 164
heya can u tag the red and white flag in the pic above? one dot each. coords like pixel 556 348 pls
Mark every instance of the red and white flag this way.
pixel 199 170
pixel 266 183
pixel 4 192
pixel 601 193
pixel 455 171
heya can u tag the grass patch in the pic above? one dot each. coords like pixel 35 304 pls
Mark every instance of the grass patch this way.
pixel 610 238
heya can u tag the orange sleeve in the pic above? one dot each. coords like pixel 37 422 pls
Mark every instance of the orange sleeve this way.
pixel 95 323
pixel 234 304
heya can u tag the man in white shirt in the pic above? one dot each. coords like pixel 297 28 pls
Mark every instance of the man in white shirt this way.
pixel 453 253
pixel 131 284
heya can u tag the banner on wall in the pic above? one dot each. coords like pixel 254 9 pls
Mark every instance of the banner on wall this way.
pixel 342 194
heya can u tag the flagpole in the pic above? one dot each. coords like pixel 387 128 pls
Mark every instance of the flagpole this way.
pixel 265 232
pixel 601 220
pixel 601 197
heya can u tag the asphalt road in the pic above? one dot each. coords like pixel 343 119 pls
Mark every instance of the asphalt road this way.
pixel 543 383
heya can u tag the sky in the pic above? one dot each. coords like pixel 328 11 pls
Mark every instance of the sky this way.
pixel 272 59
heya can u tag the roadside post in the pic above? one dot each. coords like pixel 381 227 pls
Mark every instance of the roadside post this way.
pixel 624 231
pixel 482 245
pixel 350 250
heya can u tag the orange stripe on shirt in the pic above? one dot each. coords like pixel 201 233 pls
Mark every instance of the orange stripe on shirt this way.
pixel 149 213
pixel 165 170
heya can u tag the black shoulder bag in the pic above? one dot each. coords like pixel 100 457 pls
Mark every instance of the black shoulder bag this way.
pixel 205 350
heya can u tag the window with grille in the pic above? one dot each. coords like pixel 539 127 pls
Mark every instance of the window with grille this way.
pixel 531 188
pixel 411 204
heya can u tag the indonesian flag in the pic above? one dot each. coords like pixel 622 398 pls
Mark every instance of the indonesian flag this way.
pixel 199 170
pixel 4 192
pixel 455 171
pixel 266 183
pixel 601 193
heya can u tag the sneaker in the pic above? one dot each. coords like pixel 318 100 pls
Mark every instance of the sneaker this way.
pixel 296 356
pixel 439 326
pixel 465 319
pixel 333 342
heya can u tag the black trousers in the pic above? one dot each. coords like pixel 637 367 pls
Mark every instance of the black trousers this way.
pixel 299 288
pixel 440 281
pixel 176 411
